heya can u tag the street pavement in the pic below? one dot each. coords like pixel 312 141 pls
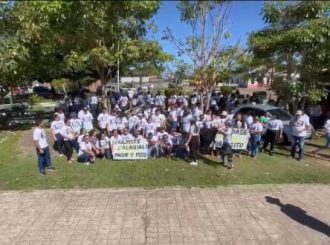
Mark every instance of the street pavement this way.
pixel 265 214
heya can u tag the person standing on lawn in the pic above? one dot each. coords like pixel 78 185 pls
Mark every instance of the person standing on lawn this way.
pixel 42 148
pixel 56 127
pixel 274 132
pixel 193 142
pixel 256 130
pixel 226 149
pixel 299 127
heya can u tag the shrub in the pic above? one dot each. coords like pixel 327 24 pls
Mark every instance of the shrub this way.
pixel 227 89
pixel 35 99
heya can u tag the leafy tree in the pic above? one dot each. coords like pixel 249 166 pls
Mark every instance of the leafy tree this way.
pixel 295 33
pixel 70 36
pixel 204 47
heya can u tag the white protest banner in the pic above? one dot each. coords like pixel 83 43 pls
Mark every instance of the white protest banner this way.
pixel 130 149
pixel 239 139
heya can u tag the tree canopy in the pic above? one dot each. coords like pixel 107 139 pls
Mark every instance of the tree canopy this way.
pixel 297 35
pixel 45 40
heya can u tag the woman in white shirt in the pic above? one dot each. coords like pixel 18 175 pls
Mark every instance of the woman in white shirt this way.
pixel 103 145
pixel 256 130
pixel 86 154
pixel 193 142
pixel 56 127
pixel 68 138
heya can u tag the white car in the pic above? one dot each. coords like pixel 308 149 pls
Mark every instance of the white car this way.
pixel 261 109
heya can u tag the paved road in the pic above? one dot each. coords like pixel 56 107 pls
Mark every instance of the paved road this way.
pixel 232 215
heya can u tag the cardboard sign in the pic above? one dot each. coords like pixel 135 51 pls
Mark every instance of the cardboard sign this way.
pixel 130 150
pixel 239 139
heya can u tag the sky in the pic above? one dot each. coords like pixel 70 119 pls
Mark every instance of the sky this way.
pixel 244 18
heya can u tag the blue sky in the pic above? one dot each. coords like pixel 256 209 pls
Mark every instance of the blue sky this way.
pixel 244 18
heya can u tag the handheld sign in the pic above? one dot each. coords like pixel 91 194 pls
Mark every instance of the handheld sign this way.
pixel 130 150
pixel 240 139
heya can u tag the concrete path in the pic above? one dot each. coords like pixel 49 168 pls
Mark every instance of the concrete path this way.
pixel 232 215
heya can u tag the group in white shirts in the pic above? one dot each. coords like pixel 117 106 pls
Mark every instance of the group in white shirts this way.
pixel 171 132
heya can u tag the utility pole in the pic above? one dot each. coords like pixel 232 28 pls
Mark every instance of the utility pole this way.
pixel 118 71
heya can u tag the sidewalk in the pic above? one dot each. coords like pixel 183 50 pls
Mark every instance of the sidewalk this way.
pixel 231 215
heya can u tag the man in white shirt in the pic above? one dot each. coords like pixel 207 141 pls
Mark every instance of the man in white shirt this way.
pixel 56 128
pixel 103 119
pixel 274 131
pixel 173 117
pixel 42 148
pixel 186 119
pixel 299 128
pixel 87 119
pixel 150 128
pixel 93 104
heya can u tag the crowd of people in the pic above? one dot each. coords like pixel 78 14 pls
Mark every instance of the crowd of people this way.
pixel 174 127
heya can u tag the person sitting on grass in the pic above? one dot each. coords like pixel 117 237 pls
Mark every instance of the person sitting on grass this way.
pixel 165 146
pixel 153 147
pixel 93 140
pixel 86 154
pixel 103 146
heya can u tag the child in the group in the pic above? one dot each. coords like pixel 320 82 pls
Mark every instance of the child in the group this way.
pixel 226 149
pixel 86 154
pixel 93 140
pixel 103 146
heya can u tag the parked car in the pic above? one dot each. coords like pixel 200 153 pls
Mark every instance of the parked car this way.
pixel 261 109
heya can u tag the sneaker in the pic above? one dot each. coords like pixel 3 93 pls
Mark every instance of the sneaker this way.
pixel 193 164
pixel 42 173
pixel 87 163
pixel 70 161
pixel 51 169
pixel 61 155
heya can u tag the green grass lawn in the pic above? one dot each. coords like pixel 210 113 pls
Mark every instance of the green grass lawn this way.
pixel 19 171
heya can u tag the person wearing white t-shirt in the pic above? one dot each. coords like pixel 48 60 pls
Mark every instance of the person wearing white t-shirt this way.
pixel 173 117
pixel 121 122
pixel 159 119
pixel 299 128
pixel 126 135
pixel 103 120
pixel 113 139
pixel 87 119
pixel 56 128
pixel 226 149
pixel 141 123
pixel 150 128
pixel 103 146
pixel 112 125
pixel 186 119
pixel 256 130
pixel 86 154
pixel 42 148
pixel 68 138
pixel 274 131
pixel 132 121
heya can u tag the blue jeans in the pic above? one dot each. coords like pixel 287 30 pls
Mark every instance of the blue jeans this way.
pixel 44 159
pixel 254 144
pixel 84 157
pixel 107 153
pixel 300 142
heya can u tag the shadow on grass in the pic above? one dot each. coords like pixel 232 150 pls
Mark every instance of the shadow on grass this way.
pixel 299 215
pixel 210 162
